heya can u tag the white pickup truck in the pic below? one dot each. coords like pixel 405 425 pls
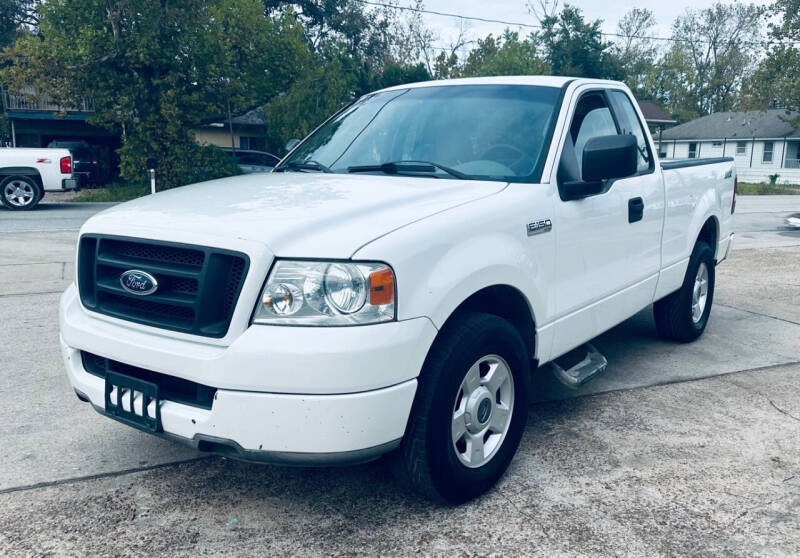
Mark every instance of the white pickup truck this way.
pixel 26 173
pixel 392 285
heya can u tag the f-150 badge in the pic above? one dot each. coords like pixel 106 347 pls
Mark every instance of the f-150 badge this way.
pixel 538 227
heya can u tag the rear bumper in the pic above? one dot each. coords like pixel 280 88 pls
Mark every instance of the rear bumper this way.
pixel 70 183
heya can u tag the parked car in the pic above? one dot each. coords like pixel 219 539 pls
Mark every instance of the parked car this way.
pixel 27 173
pixel 395 281
pixel 250 161
pixel 85 165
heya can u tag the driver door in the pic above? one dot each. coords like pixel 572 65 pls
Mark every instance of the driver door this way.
pixel 607 256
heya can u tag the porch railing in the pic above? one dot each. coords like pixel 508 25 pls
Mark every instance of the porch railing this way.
pixel 42 104
pixel 791 164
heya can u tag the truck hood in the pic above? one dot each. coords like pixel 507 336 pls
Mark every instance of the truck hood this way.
pixel 295 214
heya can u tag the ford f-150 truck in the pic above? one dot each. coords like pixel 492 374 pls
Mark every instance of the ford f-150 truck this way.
pixel 392 285
pixel 26 173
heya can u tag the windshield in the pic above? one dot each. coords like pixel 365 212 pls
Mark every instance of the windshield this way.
pixel 490 132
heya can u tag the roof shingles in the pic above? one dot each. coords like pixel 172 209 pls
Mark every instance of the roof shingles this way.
pixel 773 123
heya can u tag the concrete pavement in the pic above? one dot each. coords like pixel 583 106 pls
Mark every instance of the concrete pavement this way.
pixel 49 217
pixel 636 464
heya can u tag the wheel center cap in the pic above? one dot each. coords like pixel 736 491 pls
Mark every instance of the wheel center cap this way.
pixel 479 410
pixel 484 410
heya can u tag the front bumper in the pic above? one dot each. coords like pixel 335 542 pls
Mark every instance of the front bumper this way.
pixel 296 395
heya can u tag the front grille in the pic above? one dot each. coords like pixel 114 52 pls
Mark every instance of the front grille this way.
pixel 170 388
pixel 198 287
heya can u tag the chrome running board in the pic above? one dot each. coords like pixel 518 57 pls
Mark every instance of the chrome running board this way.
pixel 575 375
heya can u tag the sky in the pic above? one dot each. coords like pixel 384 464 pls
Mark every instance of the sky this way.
pixel 610 11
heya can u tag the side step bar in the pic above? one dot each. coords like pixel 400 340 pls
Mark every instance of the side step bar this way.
pixel 577 374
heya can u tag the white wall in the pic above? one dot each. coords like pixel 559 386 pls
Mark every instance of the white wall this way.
pixel 749 169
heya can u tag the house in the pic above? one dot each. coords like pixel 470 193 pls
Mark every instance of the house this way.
pixel 762 143
pixel 655 118
pixel 37 122
pixel 249 131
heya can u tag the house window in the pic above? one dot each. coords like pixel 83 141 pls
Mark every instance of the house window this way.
pixel 741 148
pixel 252 142
pixel 766 157
pixel 692 149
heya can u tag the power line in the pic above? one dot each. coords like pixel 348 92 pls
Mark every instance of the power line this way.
pixel 534 26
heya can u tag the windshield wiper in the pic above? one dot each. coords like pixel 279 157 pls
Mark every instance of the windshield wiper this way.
pixel 311 164
pixel 396 167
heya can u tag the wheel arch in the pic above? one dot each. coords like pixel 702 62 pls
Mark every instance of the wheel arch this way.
pixel 27 172
pixel 504 301
pixel 709 233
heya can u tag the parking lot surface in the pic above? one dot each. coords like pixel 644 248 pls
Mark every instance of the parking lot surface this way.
pixel 675 450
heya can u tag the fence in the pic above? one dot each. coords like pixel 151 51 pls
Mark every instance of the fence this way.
pixel 44 103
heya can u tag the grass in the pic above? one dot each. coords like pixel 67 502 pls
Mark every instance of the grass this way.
pixel 114 192
pixel 763 189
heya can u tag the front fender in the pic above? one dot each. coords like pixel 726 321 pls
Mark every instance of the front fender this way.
pixel 441 261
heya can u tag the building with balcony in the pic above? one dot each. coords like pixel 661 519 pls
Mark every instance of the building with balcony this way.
pixel 762 143
pixel 37 121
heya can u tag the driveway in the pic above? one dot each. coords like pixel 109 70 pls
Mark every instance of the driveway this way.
pixel 675 450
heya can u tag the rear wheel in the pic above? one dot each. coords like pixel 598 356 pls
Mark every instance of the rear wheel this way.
pixel 683 315
pixel 20 193
pixel 470 410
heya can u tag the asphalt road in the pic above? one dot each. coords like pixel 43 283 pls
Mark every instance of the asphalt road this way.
pixel 675 450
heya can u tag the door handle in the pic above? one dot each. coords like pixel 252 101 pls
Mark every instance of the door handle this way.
pixel 635 209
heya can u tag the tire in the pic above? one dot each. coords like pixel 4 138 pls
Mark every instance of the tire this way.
pixel 681 316
pixel 20 193
pixel 429 458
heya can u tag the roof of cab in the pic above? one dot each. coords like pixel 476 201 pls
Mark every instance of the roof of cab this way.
pixel 546 81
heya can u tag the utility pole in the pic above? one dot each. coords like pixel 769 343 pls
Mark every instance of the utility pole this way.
pixel 233 142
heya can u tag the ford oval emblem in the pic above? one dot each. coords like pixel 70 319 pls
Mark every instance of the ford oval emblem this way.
pixel 138 282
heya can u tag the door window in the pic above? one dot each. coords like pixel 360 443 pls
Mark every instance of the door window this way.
pixel 692 150
pixel 629 124
pixel 592 118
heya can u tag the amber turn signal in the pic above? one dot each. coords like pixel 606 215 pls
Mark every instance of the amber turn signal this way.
pixel 381 287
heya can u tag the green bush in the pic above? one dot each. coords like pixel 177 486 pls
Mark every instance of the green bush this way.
pixel 180 162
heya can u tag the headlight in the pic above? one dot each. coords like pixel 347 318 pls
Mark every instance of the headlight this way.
pixel 327 294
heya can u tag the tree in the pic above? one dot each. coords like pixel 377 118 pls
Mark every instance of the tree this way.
pixel 576 48
pixel 636 52
pixel 367 34
pixel 155 70
pixel 505 55
pixel 776 82
pixel 713 49
pixel 16 16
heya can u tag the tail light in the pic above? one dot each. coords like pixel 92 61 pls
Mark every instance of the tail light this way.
pixel 66 165
pixel 735 191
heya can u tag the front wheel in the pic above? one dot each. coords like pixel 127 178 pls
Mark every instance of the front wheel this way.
pixel 683 315
pixel 470 410
pixel 20 193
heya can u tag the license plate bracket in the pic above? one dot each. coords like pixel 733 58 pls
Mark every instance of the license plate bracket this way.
pixel 131 390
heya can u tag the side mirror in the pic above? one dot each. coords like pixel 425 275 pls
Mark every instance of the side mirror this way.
pixel 608 157
pixel 604 158
pixel 291 144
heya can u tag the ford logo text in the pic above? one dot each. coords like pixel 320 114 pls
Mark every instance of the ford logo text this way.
pixel 138 282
